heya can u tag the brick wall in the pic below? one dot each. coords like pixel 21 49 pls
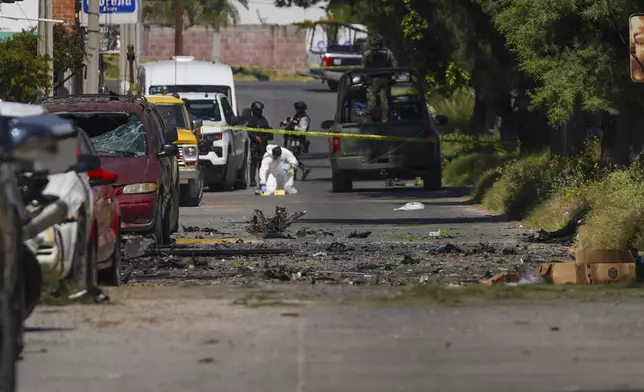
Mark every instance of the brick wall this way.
pixel 271 47
pixel 64 10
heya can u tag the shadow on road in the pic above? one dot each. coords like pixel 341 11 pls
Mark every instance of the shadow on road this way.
pixel 411 192
pixel 319 90
pixel 403 220
pixel 46 329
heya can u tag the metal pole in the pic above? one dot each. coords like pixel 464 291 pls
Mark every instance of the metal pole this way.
pixel 77 85
pixel 178 27
pixel 50 42
pixel 124 32
pixel 93 43
pixel 42 31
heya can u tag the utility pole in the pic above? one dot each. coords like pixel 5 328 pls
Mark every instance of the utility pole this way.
pixel 50 42
pixel 46 37
pixel 93 43
pixel 178 27
pixel 124 32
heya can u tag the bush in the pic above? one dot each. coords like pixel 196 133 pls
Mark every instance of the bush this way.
pixel 484 183
pixel 557 212
pixel 467 169
pixel 523 184
pixel 22 73
pixel 616 218
pixel 459 108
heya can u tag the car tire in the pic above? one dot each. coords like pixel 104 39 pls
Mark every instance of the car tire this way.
pixel 191 194
pixel 433 180
pixel 81 261
pixel 167 230
pixel 341 182
pixel 243 177
pixel 111 276
pixel 33 280
pixel 333 85
pixel 158 223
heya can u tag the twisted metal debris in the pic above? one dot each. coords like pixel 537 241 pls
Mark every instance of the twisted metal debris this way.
pixel 274 227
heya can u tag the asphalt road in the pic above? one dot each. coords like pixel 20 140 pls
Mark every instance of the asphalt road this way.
pixel 167 338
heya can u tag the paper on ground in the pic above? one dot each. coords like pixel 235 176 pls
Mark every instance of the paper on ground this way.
pixel 412 206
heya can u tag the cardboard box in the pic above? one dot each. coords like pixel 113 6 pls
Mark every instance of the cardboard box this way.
pixel 606 258
pixel 603 256
pixel 601 273
pixel 563 273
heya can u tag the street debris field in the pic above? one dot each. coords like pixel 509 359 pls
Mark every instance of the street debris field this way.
pixel 287 255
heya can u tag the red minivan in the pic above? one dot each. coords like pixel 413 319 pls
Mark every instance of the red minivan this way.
pixel 133 142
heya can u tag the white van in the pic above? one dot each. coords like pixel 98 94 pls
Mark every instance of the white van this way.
pixel 184 74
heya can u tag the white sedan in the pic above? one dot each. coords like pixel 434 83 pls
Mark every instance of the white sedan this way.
pixel 64 247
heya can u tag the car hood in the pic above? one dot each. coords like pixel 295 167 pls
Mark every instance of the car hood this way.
pixel 130 170
pixel 185 137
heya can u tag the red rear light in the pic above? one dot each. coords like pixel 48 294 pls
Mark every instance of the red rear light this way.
pixel 430 133
pixel 328 61
pixel 335 144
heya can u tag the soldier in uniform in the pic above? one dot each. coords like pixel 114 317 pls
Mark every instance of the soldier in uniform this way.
pixel 378 56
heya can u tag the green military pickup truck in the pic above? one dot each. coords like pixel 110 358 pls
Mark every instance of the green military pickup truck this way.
pixel 359 159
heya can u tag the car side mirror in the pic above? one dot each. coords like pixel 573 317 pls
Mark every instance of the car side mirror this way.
pixel 170 135
pixel 100 177
pixel 168 150
pixel 196 123
pixel 87 163
pixel 328 124
pixel 441 120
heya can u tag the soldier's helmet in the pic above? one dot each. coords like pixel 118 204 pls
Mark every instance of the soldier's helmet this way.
pixel 376 40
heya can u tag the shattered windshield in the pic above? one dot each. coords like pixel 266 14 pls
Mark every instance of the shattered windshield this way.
pixel 205 109
pixel 128 139
pixel 174 115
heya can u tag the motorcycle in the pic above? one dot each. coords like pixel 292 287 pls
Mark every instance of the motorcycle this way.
pixel 298 145
pixel 32 147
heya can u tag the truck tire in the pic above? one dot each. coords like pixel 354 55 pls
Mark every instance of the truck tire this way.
pixel 333 85
pixel 190 194
pixel 433 179
pixel 341 182
pixel 243 177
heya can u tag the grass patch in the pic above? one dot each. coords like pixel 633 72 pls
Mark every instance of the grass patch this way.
pixel 484 183
pixel 467 169
pixel 556 212
pixel 523 184
pixel 476 294
pixel 616 218
pixel 459 108
pixel 56 291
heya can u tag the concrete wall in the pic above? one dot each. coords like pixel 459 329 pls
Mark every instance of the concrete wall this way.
pixel 271 47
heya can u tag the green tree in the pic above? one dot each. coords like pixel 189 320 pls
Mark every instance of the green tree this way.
pixel 22 73
pixel 577 52
pixel 69 50
pixel 211 13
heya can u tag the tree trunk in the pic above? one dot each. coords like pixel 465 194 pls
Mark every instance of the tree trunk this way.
pixel 178 27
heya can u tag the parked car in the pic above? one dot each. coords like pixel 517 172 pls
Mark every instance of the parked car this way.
pixel 346 43
pixel 105 234
pixel 359 159
pixel 131 139
pixel 224 154
pixel 173 110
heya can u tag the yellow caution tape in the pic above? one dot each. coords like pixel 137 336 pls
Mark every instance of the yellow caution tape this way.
pixel 361 136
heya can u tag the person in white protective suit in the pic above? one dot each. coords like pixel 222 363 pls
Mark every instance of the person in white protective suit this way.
pixel 277 170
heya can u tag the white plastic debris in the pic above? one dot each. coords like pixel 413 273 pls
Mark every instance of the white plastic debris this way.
pixel 436 233
pixel 411 206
